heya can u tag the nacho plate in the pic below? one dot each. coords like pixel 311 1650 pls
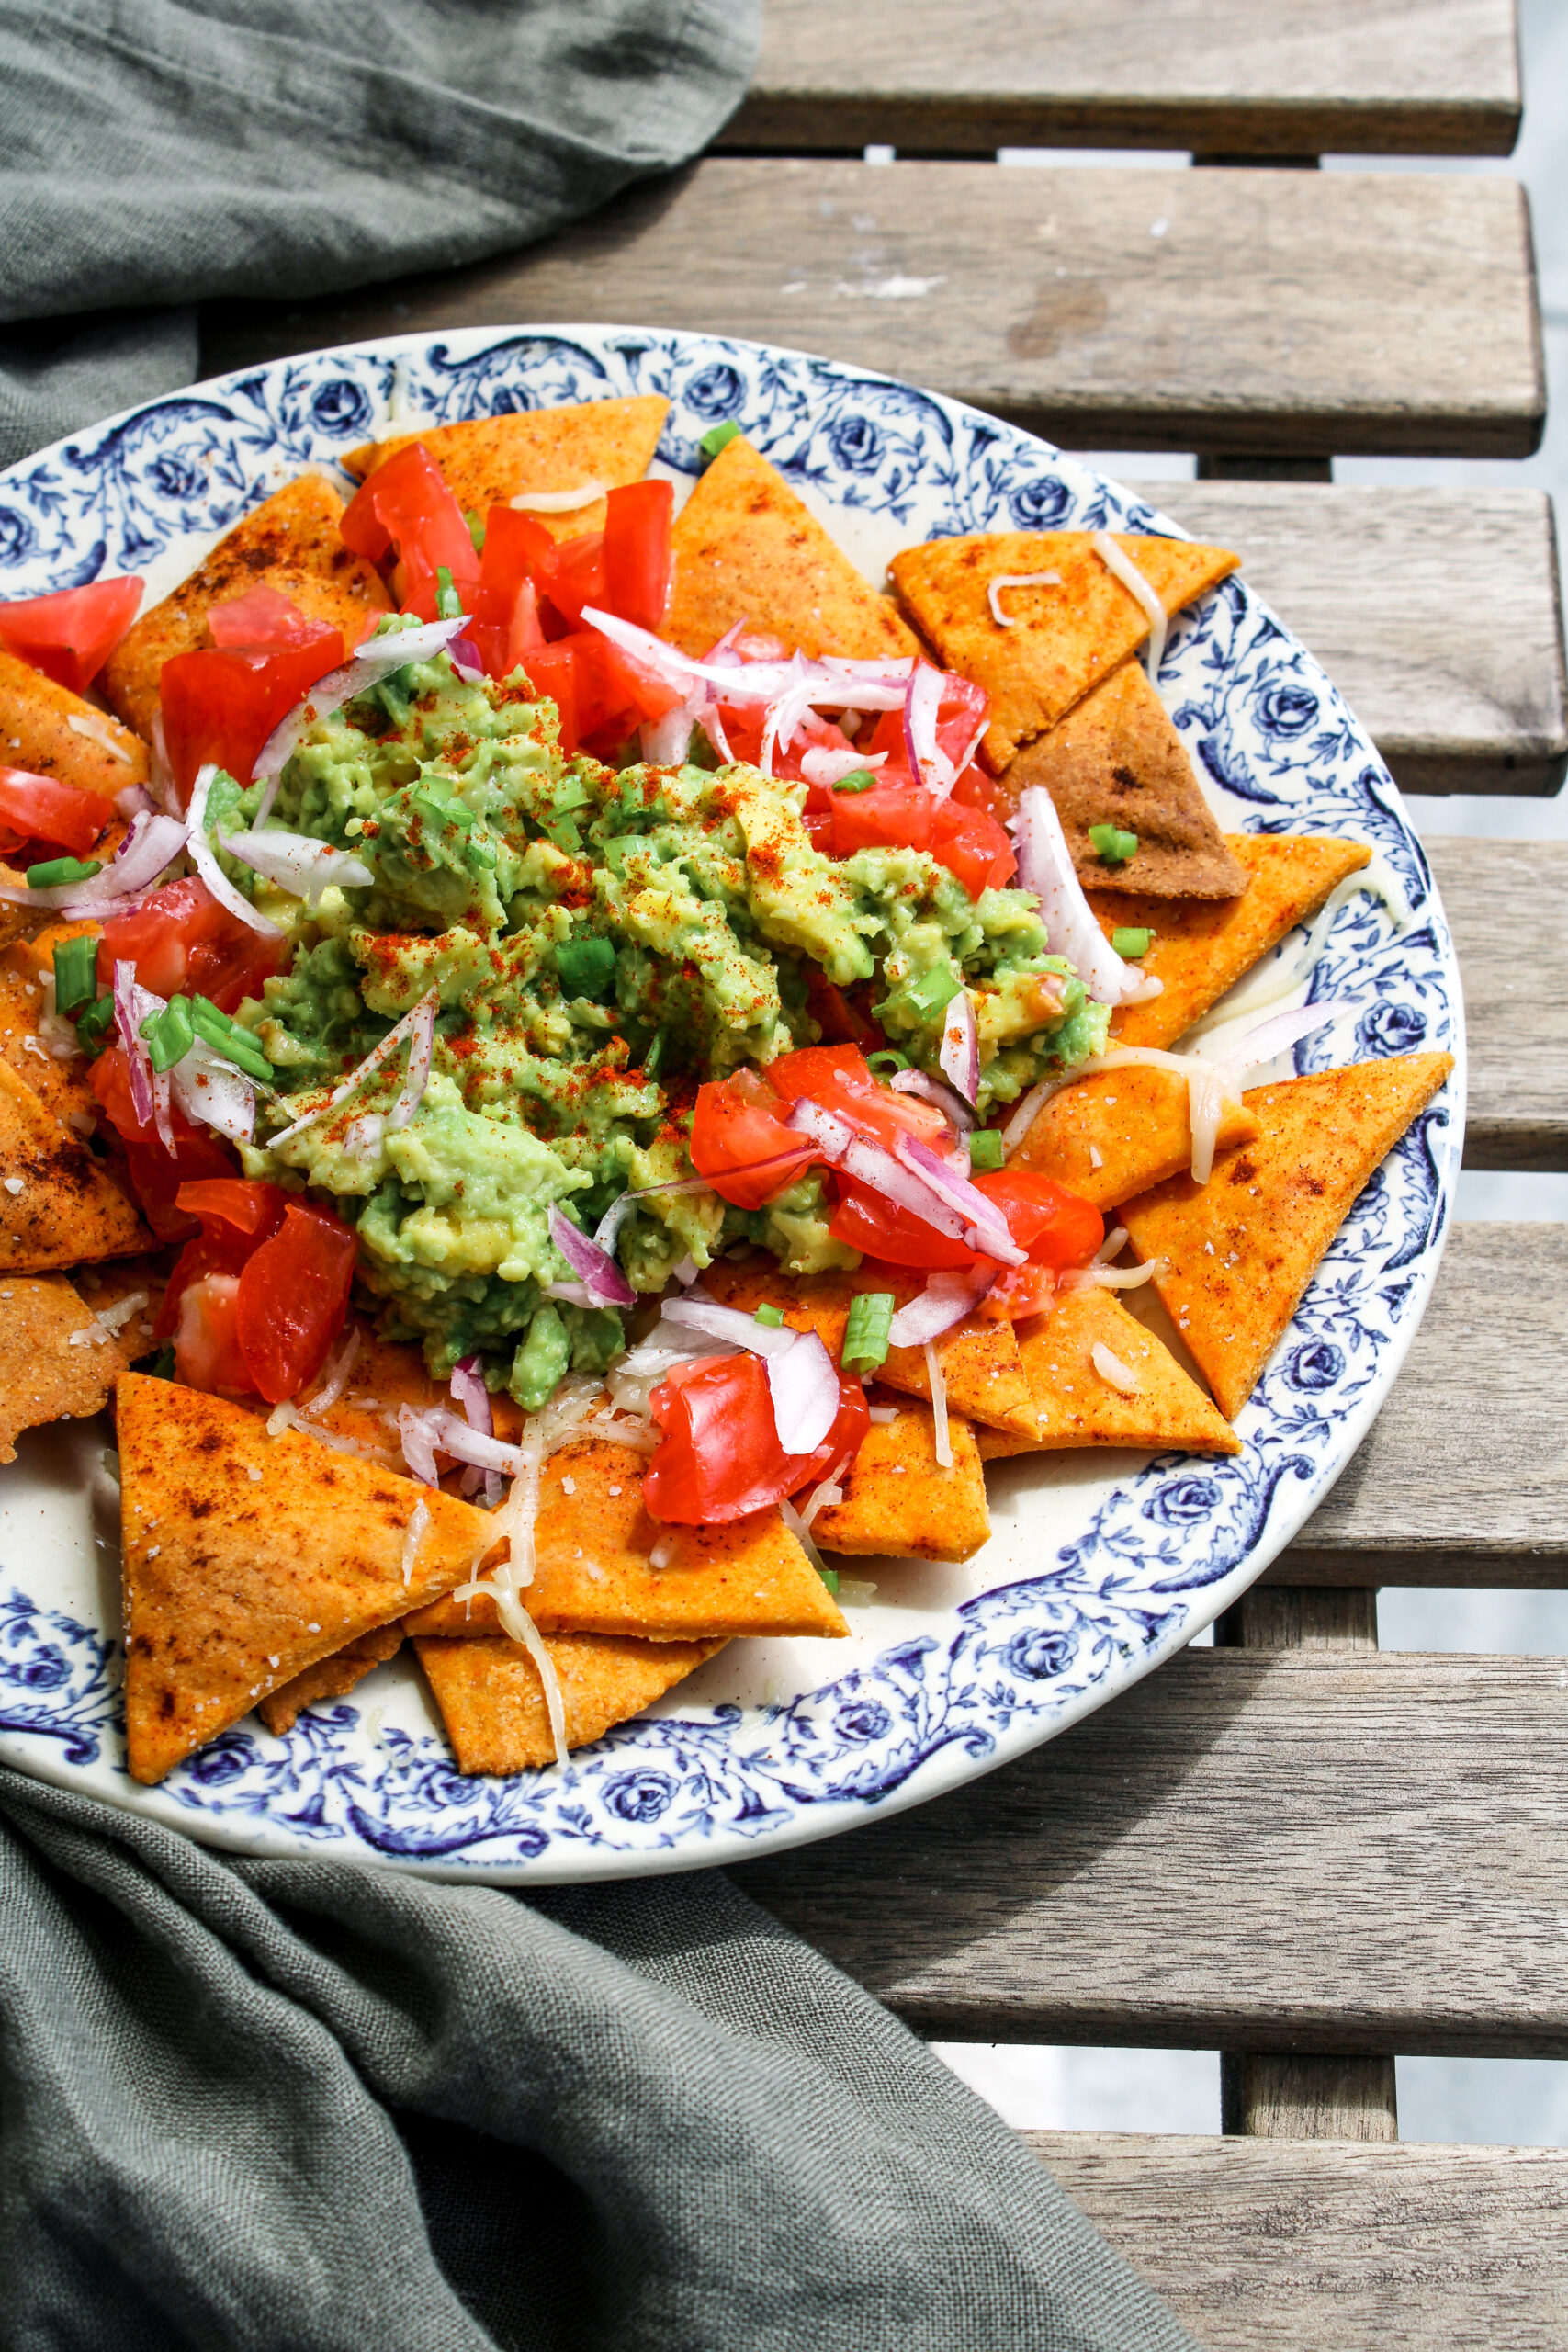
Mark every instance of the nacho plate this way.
pixel 1099 1565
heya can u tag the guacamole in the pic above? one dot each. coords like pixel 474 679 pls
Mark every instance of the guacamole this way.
pixel 603 940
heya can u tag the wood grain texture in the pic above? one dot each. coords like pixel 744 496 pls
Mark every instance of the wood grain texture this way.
pixel 1502 898
pixel 1436 613
pixel 1300 311
pixel 1287 1617
pixel 1463 1477
pixel 1268 2095
pixel 1355 1854
pixel 1329 2246
pixel 1398 77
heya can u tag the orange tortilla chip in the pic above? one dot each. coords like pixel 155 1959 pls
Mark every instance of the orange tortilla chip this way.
pixel 1202 947
pixel 1240 1250
pixel 248 1558
pixel 291 542
pixel 1060 640
pixel 1078 1405
pixel 594 1573
pixel 134 1286
pixel 330 1678
pixel 57 1360
pixel 1115 1132
pixel 58 1205
pixel 898 1499
pixel 489 461
pixel 1117 759
pixel 492 1703
pixel 61 1086
pixel 746 548
pixel 49 730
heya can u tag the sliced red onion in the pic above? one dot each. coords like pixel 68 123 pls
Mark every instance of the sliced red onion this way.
pixel 1280 1032
pixel 947 1299
pixel 134 800
pixel 432 1428
pixel 421 1045
pixel 820 765
pixel 960 1055
pixel 152 843
pixel 132 1006
pixel 852 685
pixel 729 1324
pixel 664 742
pixel 951 1103
pixel 374 657
pixel 421 1020
pixel 467 661
pixel 922 700
pixel 986 1227
pixel 469 1388
pixel 1116 560
pixel 601 1278
pixel 1046 866
pixel 200 850
pixel 211 1092
pixel 615 1216
pixel 297 864
pixel 804 1387
pixel 417 1431
pixel 872 1164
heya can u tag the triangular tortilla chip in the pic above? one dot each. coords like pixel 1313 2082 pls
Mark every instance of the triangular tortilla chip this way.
pixel 1202 948
pixel 1117 759
pixel 979 1360
pixel 291 542
pixel 249 1557
pixel 492 1703
pixel 898 1499
pixel 330 1678
pixel 1059 640
pixel 1240 1250
pixel 49 730
pixel 1115 1132
pixel 57 1360
pixel 61 1086
pixel 748 549
pixel 1078 1405
pixel 58 1205
pixel 489 461
pixel 127 1293
pixel 595 1571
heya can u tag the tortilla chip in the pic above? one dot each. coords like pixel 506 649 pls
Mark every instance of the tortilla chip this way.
pixel 1060 640
pixel 61 1086
pixel 489 460
pixel 291 542
pixel 594 1575
pixel 1115 1132
pixel 1078 1404
pixel 136 1284
pixel 57 1362
pixel 1240 1250
pixel 748 549
pixel 249 1557
pixel 492 1703
pixel 979 1360
pixel 1202 947
pixel 37 733
pixel 898 1499
pixel 1117 759
pixel 58 1205
pixel 330 1678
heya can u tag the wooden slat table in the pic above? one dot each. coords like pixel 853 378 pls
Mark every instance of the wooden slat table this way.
pixel 1291 1848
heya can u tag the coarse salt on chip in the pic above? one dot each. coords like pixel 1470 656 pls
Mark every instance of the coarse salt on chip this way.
pixel 1116 1131
pixel 1240 1250
pixel 330 1678
pixel 234 1584
pixel 1078 1405
pixel 746 548
pixel 61 1084
pixel 59 1207
pixel 899 1499
pixel 48 730
pixel 489 461
pixel 1061 639
pixel 492 1703
pixel 57 1360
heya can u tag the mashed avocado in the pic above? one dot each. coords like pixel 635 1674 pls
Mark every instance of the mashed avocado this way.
pixel 601 942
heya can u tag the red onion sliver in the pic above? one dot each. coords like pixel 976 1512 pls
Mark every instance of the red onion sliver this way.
pixel 132 1006
pixel 603 1279
pixel 922 699
pixel 375 657
pixel 211 1092
pixel 422 1045
pixel 152 843
pixel 1282 1030
pixel 872 1164
pixel 200 850
pixel 952 1104
pixel 417 1430
pixel 820 765
pixel 469 1388
pixel 297 864
pixel 947 1299
pixel 729 1324
pixel 985 1226
pixel 804 1387
pixel 423 1012
pixel 960 1055
pixel 1046 866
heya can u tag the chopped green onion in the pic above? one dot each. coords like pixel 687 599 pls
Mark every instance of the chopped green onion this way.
pixel 475 529
pixel 55 872
pixel 223 1033
pixel 830 1579
pixel 985 1148
pixel 933 992
pixel 75 974
pixel 719 438
pixel 865 1333
pixel 770 1315
pixel 162 1364
pixel 887 1057
pixel 1112 844
pixel 170 1035
pixel 95 1026
pixel 1132 939
pixel 448 604
pixel 858 780
pixel 585 967
pixel 653 1060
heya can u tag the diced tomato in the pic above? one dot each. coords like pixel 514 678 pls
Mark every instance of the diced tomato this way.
pixel 42 809
pixel 837 1077
pixel 614 692
pixel 69 636
pixel 236 1217
pixel 841 1021
pixel 820 1071
pixel 719 1457
pixel 183 943
pixel 879 1227
pixel 552 670
pixel 222 704
pixel 741 1144
pixel 208 1353
pixel 293 1298
pixel 576 575
pixel 973 846
pixel 1054 1226
pixel 263 619
pixel 405 506
pixel 156 1173
pixel 743 726
pixel 636 551
pixel 890 816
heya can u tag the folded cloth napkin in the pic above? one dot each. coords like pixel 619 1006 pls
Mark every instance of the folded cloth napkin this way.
pixel 161 151
pixel 302 2107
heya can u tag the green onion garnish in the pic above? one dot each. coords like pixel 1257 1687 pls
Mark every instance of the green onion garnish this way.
pixel 719 438
pixel 858 780
pixel 653 1060
pixel 887 1057
pixel 95 1026
pixel 830 1579
pixel 170 1035
pixel 75 974
pixel 1110 843
pixel 985 1148
pixel 223 1033
pixel 865 1333
pixel 771 1315
pixel 935 991
pixel 448 604
pixel 1131 941
pixel 56 872
pixel 585 967
pixel 475 529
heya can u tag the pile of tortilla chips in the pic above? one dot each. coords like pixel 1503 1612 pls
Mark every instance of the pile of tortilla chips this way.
pixel 271 1563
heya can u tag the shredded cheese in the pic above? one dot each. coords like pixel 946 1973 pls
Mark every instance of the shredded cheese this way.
pixel 939 1405
pixel 419 1520
pixel 1116 560
pixel 1205 1108
pixel 557 501
pixel 96 729
pixel 1017 580
pixel 1111 1369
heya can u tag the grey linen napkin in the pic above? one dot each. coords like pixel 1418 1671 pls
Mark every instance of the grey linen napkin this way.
pixel 161 151
pixel 301 2107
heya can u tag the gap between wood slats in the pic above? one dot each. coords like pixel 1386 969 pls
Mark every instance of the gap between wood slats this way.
pixel 1338 76
pixel 1302 313
pixel 1507 905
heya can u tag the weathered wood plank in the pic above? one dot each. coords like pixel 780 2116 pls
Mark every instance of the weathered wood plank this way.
pixel 1436 613
pixel 1287 1852
pixel 1419 77
pixel 1507 904
pixel 1331 2246
pixel 1299 312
